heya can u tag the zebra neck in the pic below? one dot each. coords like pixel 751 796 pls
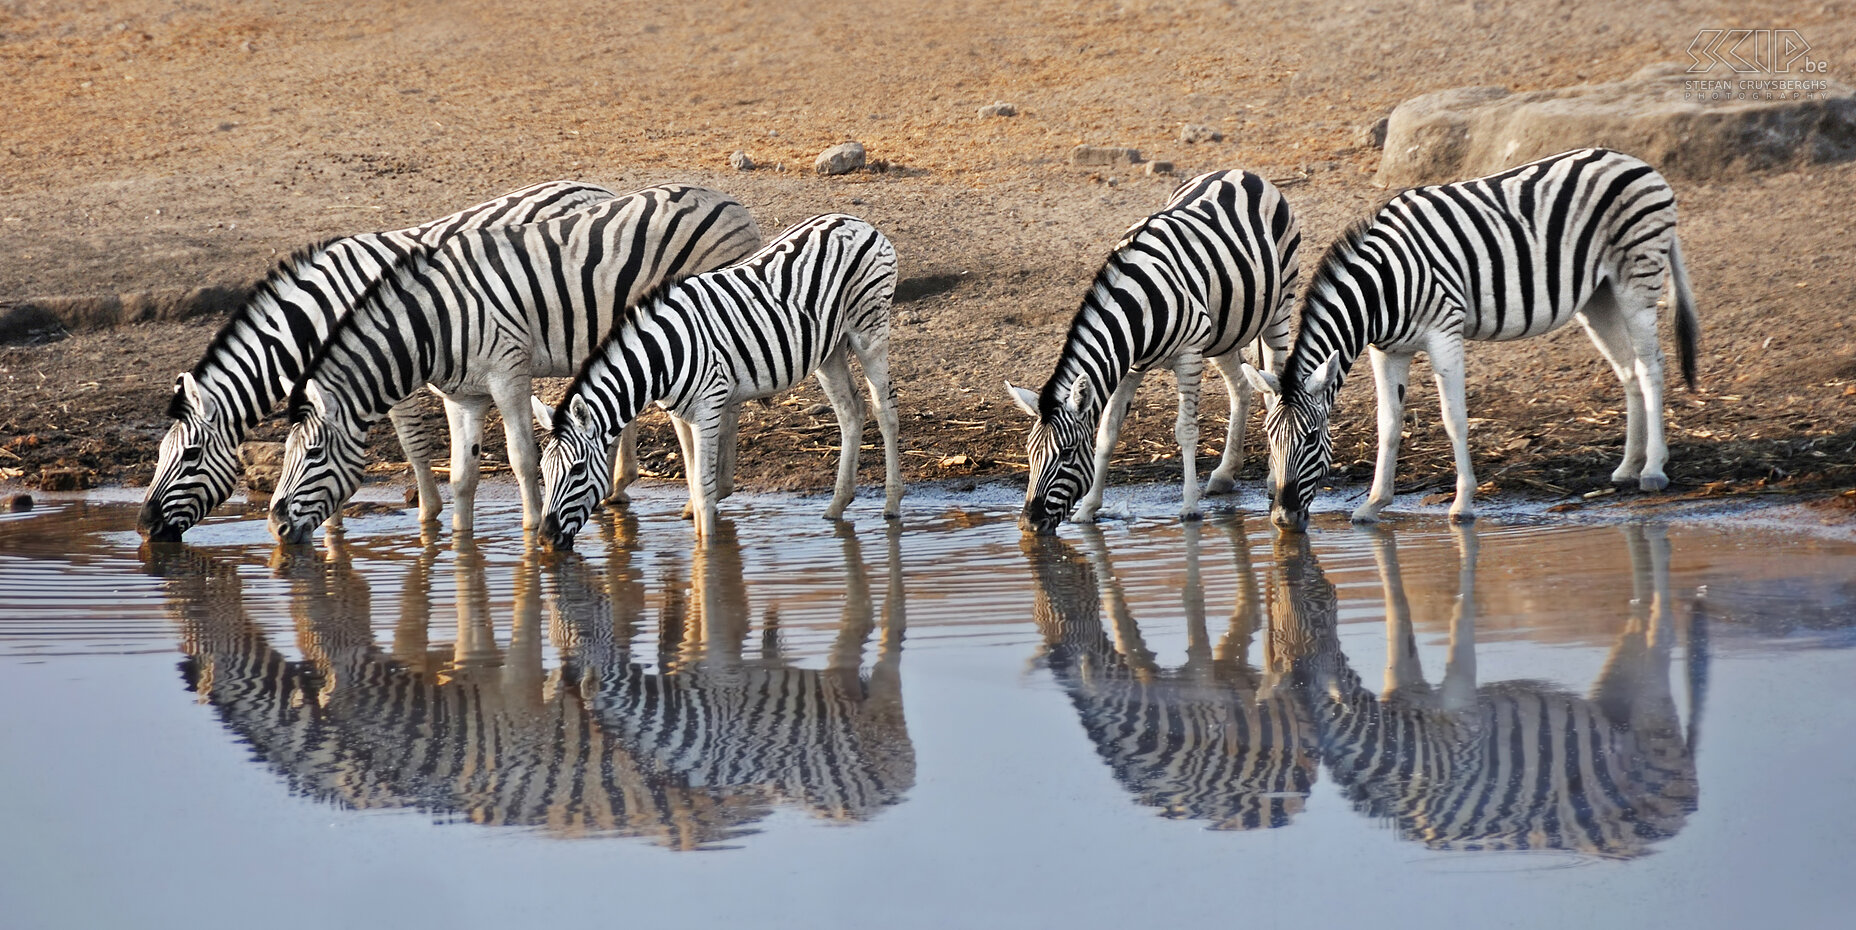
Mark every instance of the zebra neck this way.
pixel 1103 373
pixel 639 363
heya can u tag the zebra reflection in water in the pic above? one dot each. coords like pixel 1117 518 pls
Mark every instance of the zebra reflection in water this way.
pixel 1212 740
pixel 1515 765
pixel 481 733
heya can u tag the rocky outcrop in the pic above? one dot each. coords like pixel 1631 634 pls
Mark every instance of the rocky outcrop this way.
pixel 1690 125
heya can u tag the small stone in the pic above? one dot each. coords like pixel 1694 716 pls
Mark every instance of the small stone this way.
pixel 1193 134
pixel 740 161
pixel 1159 167
pixel 818 410
pixel 840 159
pixel 19 503
pixel 64 479
pixel 261 455
pixel 411 497
pixel 1096 155
pixel 999 109
pixel 1374 136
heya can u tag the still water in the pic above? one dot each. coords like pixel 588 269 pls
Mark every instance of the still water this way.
pixel 937 724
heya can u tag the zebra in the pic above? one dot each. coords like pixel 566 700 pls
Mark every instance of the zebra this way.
pixel 817 294
pixel 1210 273
pixel 1509 765
pixel 477 318
pixel 1587 235
pixel 1210 740
pixel 256 358
pixel 831 741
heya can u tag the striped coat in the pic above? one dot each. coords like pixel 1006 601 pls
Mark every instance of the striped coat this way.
pixel 477 318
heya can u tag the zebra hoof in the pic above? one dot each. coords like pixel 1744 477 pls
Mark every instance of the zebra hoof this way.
pixel 1653 482
pixel 1462 517
pixel 1220 485
pixel 1191 516
pixel 1365 516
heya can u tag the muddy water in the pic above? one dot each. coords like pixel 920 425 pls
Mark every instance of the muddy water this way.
pixel 938 724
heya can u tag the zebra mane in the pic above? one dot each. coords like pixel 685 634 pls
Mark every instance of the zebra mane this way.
pixel 1048 398
pixel 419 252
pixel 1326 276
pixel 284 270
pixel 630 314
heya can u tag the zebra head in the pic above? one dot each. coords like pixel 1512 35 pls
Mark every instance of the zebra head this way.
pixel 198 466
pixel 1061 453
pixel 323 463
pixel 1296 422
pixel 575 448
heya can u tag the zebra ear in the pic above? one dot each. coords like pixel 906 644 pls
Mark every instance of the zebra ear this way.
pixel 1323 375
pixel 1262 381
pixel 544 414
pixel 581 413
pixel 196 400
pixel 1026 401
pixel 1080 389
pixel 318 402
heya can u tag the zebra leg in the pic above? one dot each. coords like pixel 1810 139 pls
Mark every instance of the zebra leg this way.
pixel 1224 477
pixel 834 377
pixel 415 440
pixel 705 439
pixel 1404 670
pixel 1391 377
pixel 1108 432
pixel 726 451
pixel 465 414
pixel 1640 319
pixel 512 393
pixel 1606 323
pixel 1189 371
pixel 624 465
pixel 1446 353
pixel 686 446
pixel 875 360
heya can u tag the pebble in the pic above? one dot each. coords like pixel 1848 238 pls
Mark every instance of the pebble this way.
pixel 1104 155
pixel 1000 108
pixel 740 161
pixel 1192 134
pixel 1374 136
pixel 19 503
pixel 840 159
pixel 1159 167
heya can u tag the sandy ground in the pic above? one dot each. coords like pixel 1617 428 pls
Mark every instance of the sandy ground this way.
pixel 158 146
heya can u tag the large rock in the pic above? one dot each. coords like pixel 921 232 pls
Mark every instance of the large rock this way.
pixel 1693 125
pixel 840 159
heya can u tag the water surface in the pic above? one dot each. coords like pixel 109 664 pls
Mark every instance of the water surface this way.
pixel 932 724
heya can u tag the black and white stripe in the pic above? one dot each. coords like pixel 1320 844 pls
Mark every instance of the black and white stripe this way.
pixel 1205 741
pixel 257 357
pixel 1587 235
pixel 815 296
pixel 1514 765
pixel 1206 276
pixel 477 317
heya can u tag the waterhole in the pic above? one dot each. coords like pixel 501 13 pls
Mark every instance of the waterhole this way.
pixel 936 722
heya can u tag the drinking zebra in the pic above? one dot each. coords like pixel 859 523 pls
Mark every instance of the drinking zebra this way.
pixel 1587 235
pixel 1210 273
pixel 1513 765
pixel 812 298
pixel 477 317
pixel 257 357
pixel 1210 740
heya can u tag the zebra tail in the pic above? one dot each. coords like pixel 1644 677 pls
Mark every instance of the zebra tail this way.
pixel 1688 327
